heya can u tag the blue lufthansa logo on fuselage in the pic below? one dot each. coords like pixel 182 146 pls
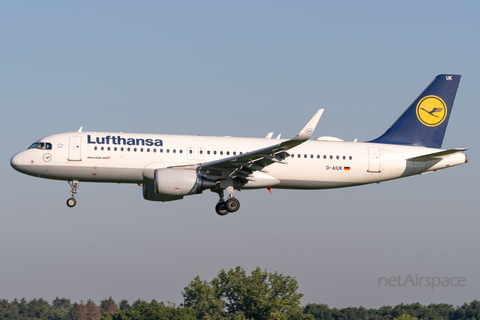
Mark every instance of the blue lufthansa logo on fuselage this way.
pixel 119 140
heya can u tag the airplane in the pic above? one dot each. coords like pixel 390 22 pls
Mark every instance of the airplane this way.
pixel 169 167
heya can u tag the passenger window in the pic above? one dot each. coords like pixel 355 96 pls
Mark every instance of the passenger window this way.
pixel 350 158
pixel 181 151
pixel 208 151
pixel 305 156
pixel 201 151
pixel 154 149
pixel 115 149
pixel 344 157
pixel 214 152
pixel 148 149
pixel 108 148
pixel 293 155
pixel 298 155
pixel 161 150
pixel 228 153
pixel 174 150
pixel 128 149
pixel 221 152
pixel 121 149
pixel 168 150
pixel 338 157
pixel 331 157
pixel 234 153
pixel 190 151
pixel 311 156
pixel 94 148
pixel 318 156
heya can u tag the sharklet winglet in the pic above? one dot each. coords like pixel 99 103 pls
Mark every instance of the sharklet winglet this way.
pixel 308 130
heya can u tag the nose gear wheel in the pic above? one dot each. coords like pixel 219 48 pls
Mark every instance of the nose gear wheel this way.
pixel 71 202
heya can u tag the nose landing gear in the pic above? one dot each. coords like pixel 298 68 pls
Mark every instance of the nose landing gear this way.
pixel 71 202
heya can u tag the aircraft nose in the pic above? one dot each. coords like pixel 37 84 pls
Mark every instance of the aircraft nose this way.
pixel 17 161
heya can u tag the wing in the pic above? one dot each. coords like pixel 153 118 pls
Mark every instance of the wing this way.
pixel 242 166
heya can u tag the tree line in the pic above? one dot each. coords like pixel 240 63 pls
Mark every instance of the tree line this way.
pixel 232 295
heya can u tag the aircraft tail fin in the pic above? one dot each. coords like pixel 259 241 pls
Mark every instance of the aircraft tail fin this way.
pixel 425 121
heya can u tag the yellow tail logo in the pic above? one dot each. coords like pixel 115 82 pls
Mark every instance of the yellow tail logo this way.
pixel 431 111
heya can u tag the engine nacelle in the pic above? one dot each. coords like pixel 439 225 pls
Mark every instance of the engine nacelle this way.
pixel 149 194
pixel 180 182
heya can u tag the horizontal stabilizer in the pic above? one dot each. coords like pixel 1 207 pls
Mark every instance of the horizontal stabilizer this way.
pixel 437 155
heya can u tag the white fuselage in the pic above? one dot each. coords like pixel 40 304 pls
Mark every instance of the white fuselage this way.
pixel 132 158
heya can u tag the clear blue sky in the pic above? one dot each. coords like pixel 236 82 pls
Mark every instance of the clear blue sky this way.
pixel 240 69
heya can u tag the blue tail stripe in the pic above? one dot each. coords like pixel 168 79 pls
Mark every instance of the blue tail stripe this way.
pixel 425 121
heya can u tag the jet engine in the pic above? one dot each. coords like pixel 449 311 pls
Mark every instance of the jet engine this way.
pixel 149 194
pixel 180 182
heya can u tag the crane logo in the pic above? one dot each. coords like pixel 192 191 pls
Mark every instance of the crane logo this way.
pixel 431 111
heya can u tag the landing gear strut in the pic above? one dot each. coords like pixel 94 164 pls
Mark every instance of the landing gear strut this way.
pixel 224 207
pixel 71 202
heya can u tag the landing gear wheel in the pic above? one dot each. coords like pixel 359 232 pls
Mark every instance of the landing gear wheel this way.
pixel 232 205
pixel 221 208
pixel 74 190
pixel 71 202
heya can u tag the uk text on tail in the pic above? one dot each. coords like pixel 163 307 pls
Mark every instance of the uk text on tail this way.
pixel 424 123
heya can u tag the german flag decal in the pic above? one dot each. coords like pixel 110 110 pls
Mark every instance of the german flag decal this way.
pixel 346 168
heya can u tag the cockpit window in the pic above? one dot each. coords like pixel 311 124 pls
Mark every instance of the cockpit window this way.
pixel 33 146
pixel 41 145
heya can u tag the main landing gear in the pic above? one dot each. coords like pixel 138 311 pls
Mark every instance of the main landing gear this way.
pixel 71 202
pixel 231 205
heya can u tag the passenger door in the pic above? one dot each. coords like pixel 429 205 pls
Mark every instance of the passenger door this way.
pixel 374 160
pixel 75 149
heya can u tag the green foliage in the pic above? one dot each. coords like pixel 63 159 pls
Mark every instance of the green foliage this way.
pixel 108 305
pixel 236 295
pixel 61 304
pixel 37 309
pixel 152 311
pixel 201 297
pixel 414 310
pixel 124 305
pixel 405 317
pixel 232 295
